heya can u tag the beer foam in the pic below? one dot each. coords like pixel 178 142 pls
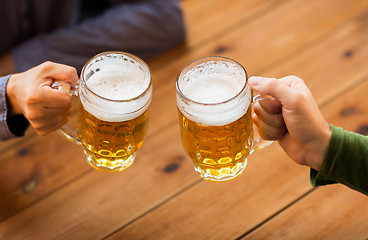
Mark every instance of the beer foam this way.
pixel 213 86
pixel 119 78
pixel 117 81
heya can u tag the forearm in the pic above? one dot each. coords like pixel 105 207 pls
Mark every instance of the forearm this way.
pixel 145 29
pixel 346 161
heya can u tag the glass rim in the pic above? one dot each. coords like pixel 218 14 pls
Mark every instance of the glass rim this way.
pixel 140 61
pixel 205 58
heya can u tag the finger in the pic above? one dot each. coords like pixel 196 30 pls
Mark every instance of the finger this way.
pixel 268 132
pixel 55 112
pixel 279 89
pixel 43 115
pixel 275 120
pixel 292 81
pixel 58 124
pixel 44 127
pixel 59 72
pixel 53 98
pixel 272 106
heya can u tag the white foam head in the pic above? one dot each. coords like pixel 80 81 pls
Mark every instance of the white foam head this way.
pixel 116 87
pixel 217 91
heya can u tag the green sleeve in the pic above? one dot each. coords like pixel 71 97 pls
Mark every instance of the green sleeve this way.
pixel 346 161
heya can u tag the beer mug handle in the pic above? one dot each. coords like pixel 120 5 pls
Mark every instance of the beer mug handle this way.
pixel 258 142
pixel 66 131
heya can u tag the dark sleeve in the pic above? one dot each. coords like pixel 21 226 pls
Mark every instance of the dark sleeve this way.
pixel 144 28
pixel 9 127
pixel 345 162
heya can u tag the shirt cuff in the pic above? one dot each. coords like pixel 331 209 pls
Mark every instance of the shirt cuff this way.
pixel 5 132
pixel 325 175
pixel 9 127
pixel 344 161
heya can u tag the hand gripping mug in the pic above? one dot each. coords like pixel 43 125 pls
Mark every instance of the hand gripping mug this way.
pixel 115 92
pixel 215 115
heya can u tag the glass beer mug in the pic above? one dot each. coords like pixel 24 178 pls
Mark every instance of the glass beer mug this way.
pixel 215 114
pixel 115 92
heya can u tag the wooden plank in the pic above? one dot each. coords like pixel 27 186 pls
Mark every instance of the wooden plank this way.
pixel 162 114
pixel 223 210
pixel 36 168
pixel 264 46
pixel 333 212
pixel 29 134
pixel 270 183
pixel 97 203
pixel 200 25
pixel 262 39
pixel 162 111
pixel 232 45
pixel 206 19
pixel 351 113
pixel 33 167
pixel 243 47
pixel 330 66
pixel 6 145
pixel 353 124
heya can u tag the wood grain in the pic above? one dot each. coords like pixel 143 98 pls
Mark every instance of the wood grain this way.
pixel 97 203
pixel 270 184
pixel 327 52
pixel 163 112
pixel 333 212
pixel 34 169
pixel 207 19
pixel 333 64
pixel 341 212
pixel 224 210
pixel 49 192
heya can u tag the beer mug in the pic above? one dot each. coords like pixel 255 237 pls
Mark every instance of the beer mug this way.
pixel 115 92
pixel 214 102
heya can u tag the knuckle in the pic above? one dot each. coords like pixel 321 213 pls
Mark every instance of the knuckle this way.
pixel 42 133
pixel 293 78
pixel 272 83
pixel 299 98
pixel 297 78
pixel 257 109
pixel 71 71
pixel 46 66
pixel 32 114
pixel 32 99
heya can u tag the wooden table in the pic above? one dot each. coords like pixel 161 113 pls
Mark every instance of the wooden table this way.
pixel 48 191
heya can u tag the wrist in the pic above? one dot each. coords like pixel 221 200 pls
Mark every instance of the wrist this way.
pixel 11 97
pixel 320 147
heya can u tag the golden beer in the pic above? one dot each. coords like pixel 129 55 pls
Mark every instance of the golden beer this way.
pixel 111 145
pixel 215 115
pixel 218 151
pixel 115 94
